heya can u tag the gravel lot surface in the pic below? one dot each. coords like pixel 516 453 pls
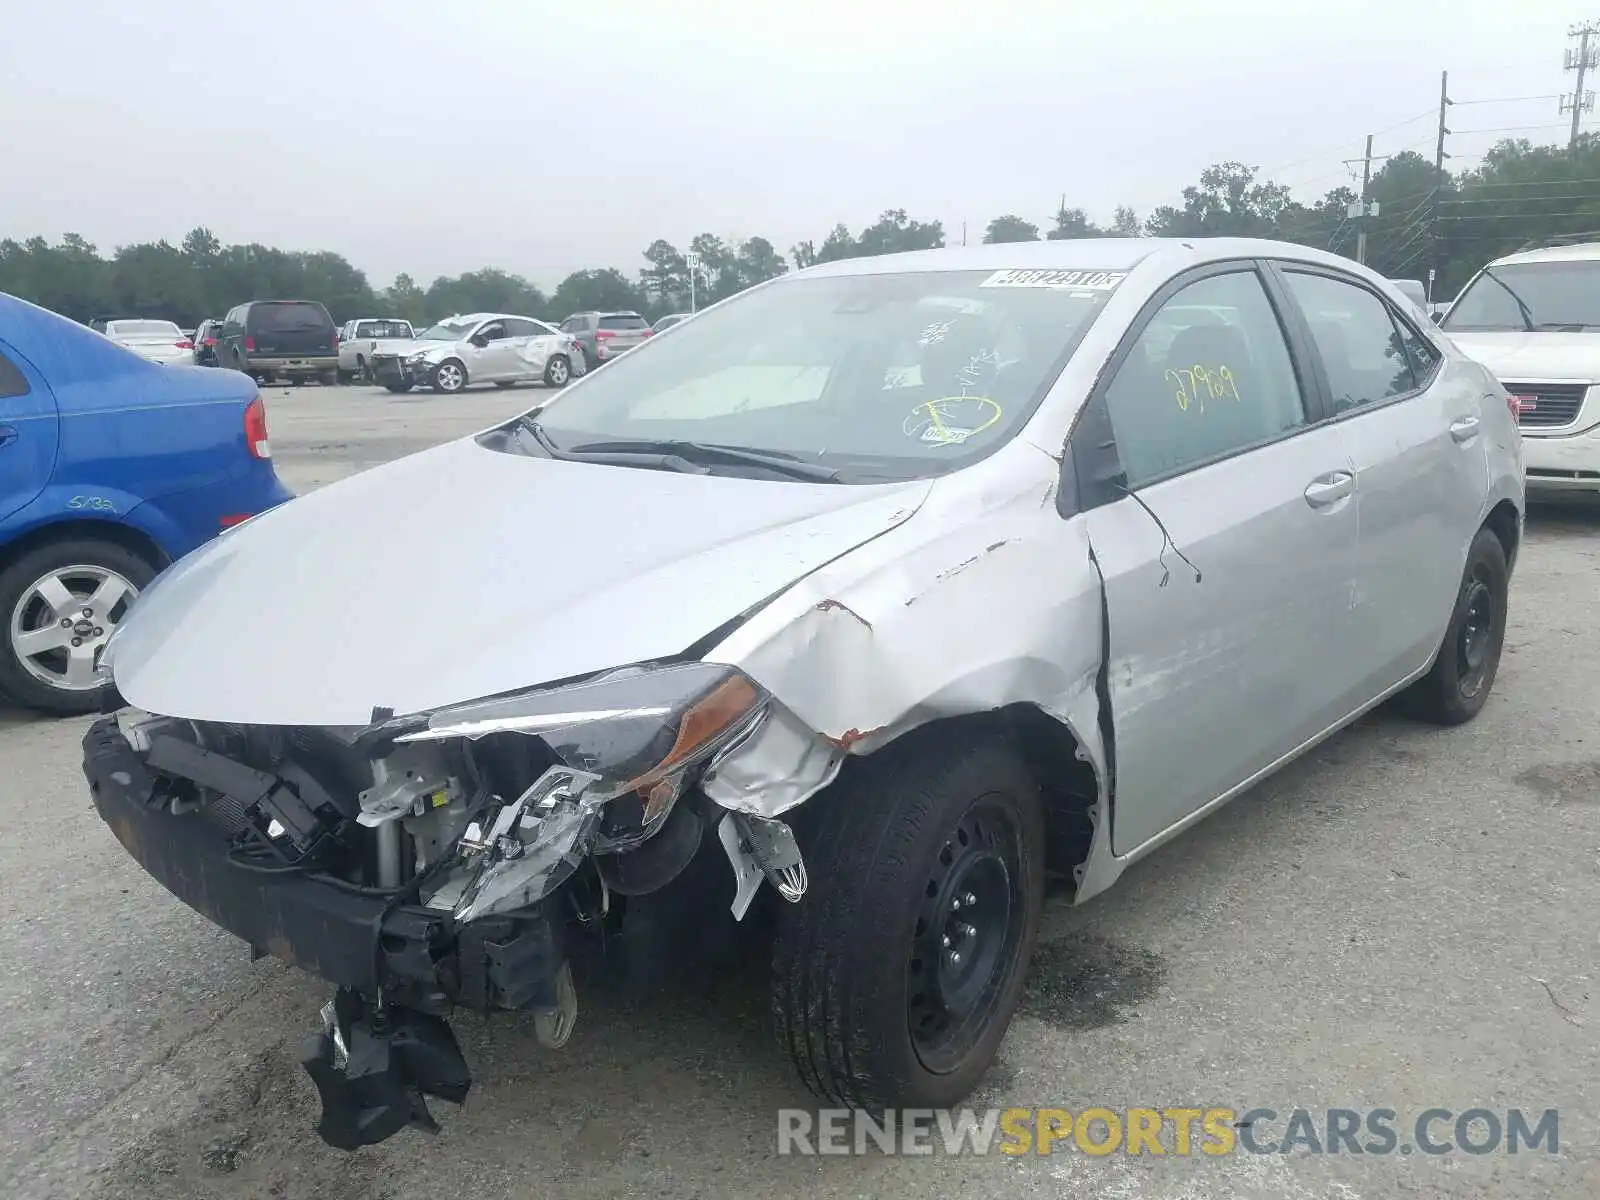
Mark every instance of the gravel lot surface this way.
pixel 1404 919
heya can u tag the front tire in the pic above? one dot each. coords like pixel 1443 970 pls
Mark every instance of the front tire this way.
pixel 450 376
pixel 558 371
pixel 59 604
pixel 398 389
pixel 1458 687
pixel 895 978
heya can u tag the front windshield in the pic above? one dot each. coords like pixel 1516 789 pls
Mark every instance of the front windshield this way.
pixel 1552 295
pixel 447 331
pixel 881 377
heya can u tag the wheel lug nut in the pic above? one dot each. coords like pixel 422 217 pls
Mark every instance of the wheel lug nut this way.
pixel 969 899
pixel 66 622
pixel 88 612
pixel 968 930
pixel 955 958
pixel 946 941
pixel 99 632
pixel 956 903
pixel 77 641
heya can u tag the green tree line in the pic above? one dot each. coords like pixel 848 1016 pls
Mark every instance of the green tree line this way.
pixel 1519 193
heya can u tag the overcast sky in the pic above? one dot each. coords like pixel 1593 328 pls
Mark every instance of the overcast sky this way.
pixel 542 137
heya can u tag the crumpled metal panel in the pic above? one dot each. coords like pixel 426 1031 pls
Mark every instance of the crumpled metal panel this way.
pixel 987 598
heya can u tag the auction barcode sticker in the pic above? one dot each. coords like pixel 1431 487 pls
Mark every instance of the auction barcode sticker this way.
pixel 1100 281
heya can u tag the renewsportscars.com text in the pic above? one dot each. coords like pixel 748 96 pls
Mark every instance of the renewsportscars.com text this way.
pixel 1181 1132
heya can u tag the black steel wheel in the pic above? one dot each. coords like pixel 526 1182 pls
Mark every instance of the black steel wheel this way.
pixel 1464 671
pixel 896 976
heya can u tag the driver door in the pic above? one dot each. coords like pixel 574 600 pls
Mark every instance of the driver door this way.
pixel 494 359
pixel 1229 562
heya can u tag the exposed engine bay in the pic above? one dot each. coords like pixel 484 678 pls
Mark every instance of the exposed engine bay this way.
pixel 470 857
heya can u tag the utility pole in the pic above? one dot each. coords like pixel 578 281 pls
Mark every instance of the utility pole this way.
pixel 1363 209
pixel 1582 62
pixel 1438 183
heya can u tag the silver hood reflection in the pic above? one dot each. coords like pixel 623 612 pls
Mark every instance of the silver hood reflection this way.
pixel 461 572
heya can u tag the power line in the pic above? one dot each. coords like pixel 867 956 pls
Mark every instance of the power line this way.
pixel 1507 129
pixel 1511 99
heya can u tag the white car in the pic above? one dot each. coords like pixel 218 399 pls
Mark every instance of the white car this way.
pixel 497 348
pixel 1533 318
pixel 365 337
pixel 159 341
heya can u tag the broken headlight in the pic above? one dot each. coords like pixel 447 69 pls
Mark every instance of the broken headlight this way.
pixel 641 731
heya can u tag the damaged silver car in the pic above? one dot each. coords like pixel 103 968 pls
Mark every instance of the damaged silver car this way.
pixel 848 613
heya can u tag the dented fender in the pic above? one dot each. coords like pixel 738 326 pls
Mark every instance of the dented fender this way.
pixel 985 598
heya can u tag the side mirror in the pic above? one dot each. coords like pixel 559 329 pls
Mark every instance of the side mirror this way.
pixel 478 340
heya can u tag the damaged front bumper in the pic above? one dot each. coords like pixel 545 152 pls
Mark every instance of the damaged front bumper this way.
pixel 448 880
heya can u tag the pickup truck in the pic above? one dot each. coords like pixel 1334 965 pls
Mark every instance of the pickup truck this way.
pixel 361 338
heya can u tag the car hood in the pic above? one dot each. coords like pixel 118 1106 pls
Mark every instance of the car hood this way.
pixel 1540 357
pixel 462 572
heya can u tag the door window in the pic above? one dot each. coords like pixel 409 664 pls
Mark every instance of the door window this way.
pixel 1208 376
pixel 12 381
pixel 1356 338
pixel 494 331
pixel 518 328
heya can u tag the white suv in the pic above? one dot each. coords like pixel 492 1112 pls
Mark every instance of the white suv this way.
pixel 1533 318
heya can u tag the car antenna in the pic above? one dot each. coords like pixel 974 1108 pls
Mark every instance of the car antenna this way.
pixel 1166 538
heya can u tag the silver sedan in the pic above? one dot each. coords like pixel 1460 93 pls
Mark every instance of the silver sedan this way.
pixel 875 593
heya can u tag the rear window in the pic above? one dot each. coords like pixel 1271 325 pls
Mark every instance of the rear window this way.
pixel 142 328
pixel 296 314
pixel 617 321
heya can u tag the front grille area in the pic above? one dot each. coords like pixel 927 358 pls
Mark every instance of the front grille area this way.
pixel 1554 404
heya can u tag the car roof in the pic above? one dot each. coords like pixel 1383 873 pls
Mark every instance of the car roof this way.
pixel 1579 252
pixel 1094 254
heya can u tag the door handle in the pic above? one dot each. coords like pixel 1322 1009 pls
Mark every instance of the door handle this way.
pixel 8 434
pixel 1465 429
pixel 1327 489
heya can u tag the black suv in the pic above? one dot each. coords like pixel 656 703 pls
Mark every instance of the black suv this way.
pixel 268 339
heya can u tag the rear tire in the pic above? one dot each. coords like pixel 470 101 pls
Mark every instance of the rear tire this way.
pixel 1463 674
pixel 558 371
pixel 74 563
pixel 939 836
pixel 329 379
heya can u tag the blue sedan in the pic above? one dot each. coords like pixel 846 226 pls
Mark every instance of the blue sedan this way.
pixel 111 467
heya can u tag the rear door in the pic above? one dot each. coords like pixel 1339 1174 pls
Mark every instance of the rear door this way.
pixel 1228 562
pixel 1422 467
pixel 529 346
pixel 291 329
pixel 29 432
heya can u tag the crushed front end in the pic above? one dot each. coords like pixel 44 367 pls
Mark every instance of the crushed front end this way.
pixel 466 857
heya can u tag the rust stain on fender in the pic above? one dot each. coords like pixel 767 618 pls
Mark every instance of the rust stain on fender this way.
pixel 827 604
pixel 850 737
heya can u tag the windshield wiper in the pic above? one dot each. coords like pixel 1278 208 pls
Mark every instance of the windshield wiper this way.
pixel 783 463
pixel 1527 314
pixel 632 458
